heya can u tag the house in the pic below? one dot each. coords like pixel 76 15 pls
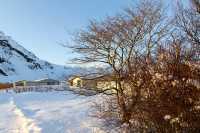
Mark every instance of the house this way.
pixel 41 82
pixel 92 82
pixel 75 81
pixel 19 83
pixel 82 82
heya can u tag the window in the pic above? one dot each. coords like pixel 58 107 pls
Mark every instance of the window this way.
pixel 78 83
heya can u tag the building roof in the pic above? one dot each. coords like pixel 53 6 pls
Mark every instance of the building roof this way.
pixel 46 80
pixel 73 77
pixel 20 81
pixel 107 77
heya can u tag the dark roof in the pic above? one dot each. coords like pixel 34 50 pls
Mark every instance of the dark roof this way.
pixel 46 80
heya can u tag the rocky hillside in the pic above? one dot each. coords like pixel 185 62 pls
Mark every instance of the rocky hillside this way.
pixel 17 63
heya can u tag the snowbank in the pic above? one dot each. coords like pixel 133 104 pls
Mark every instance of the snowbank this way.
pixel 47 112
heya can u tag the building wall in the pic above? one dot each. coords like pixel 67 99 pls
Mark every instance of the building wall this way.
pixel 31 84
pixel 106 85
pixel 83 83
pixel 19 83
pixel 77 82
pixel 41 83
pixel 34 83
pixel 90 84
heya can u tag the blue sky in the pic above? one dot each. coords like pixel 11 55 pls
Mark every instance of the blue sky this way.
pixel 40 25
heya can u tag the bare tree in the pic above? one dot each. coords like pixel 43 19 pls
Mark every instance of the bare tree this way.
pixel 119 42
pixel 153 64
pixel 188 21
pixel 196 4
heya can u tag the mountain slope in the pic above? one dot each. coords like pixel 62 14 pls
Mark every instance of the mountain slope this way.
pixel 17 63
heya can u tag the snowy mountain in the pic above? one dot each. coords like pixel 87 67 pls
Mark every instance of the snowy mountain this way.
pixel 17 63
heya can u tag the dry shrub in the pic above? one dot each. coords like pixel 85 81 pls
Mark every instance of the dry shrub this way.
pixel 155 64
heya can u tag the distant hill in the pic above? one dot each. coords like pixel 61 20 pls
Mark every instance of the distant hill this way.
pixel 17 63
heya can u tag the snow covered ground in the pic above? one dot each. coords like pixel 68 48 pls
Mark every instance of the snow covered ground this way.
pixel 47 112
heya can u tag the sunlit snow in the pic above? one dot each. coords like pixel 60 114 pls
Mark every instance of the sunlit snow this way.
pixel 47 112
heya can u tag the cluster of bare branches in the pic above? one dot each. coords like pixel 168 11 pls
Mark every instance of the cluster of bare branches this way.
pixel 155 64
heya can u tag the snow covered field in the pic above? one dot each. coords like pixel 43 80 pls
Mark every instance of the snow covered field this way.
pixel 47 112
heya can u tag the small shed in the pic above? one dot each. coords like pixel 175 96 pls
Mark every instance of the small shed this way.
pixel 20 83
